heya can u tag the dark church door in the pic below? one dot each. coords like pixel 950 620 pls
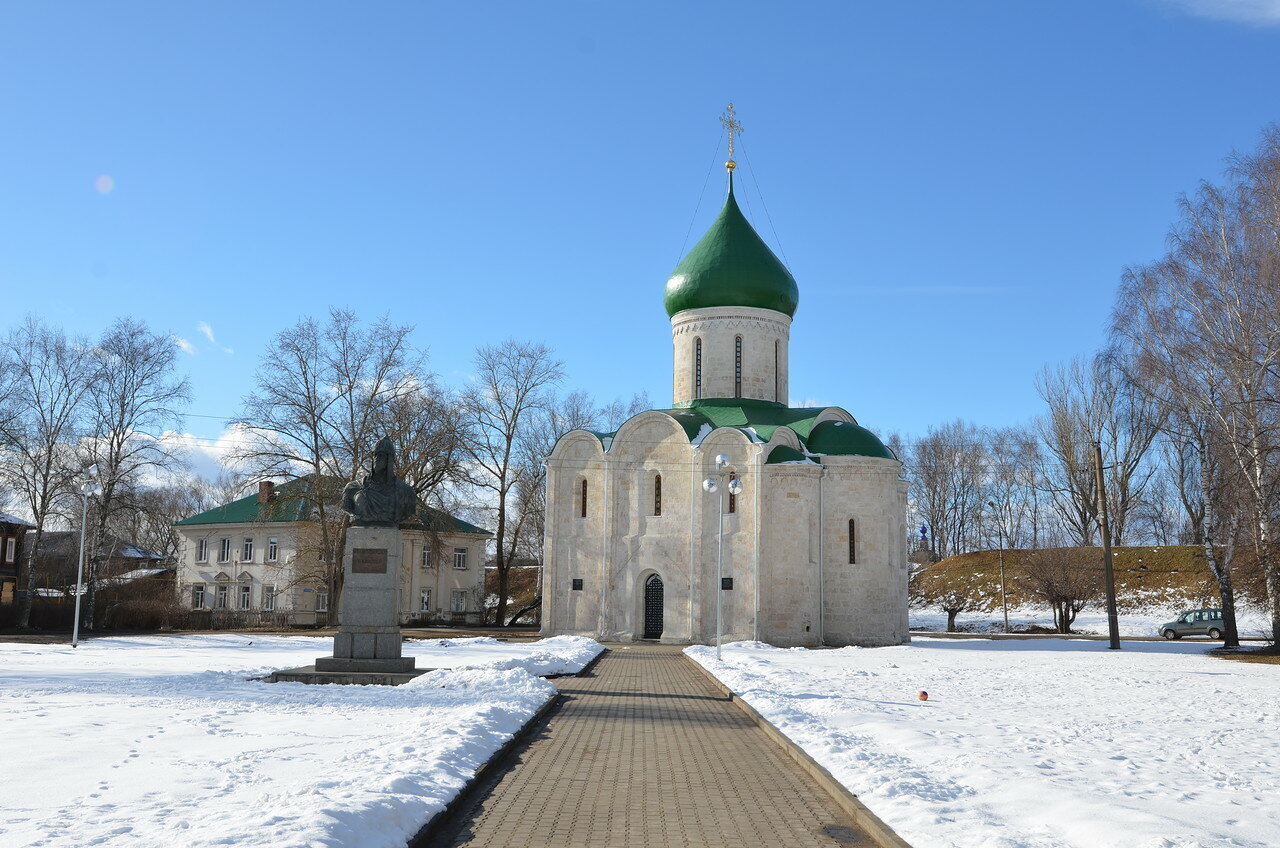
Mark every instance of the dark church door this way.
pixel 653 607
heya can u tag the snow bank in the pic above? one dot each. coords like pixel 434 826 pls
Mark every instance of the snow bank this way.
pixel 162 741
pixel 1032 744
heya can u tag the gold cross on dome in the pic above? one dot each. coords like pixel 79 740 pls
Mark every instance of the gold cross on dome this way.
pixel 729 120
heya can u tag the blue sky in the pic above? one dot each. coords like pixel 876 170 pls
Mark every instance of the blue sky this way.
pixel 956 186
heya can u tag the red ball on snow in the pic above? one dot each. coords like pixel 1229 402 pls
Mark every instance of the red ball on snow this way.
pixel 924 696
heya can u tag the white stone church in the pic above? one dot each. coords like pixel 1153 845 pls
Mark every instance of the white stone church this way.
pixel 814 545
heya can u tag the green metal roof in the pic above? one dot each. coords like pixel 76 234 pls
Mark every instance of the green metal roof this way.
pixel 783 453
pixel 290 503
pixel 436 521
pixel 760 419
pixel 731 266
pixel 844 439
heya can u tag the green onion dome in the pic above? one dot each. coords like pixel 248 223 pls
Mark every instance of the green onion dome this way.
pixel 731 266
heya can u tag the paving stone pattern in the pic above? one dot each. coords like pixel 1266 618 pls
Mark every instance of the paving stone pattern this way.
pixel 645 752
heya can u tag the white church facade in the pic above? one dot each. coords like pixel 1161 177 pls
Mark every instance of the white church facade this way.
pixel 814 545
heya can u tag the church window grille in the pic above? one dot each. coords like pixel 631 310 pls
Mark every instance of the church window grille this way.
pixel 853 543
pixel 582 499
pixel 733 499
pixel 697 368
pixel 657 494
pixel 737 366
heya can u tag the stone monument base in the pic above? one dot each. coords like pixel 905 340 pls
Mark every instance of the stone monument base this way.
pixel 376 665
pixel 312 674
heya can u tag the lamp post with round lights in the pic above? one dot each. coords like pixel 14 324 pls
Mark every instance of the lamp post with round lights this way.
pixel 86 489
pixel 714 485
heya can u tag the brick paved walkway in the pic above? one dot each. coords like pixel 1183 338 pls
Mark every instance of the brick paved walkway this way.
pixel 644 752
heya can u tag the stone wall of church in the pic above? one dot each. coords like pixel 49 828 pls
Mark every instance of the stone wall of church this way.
pixel 574 544
pixel 765 335
pixel 789 556
pixel 790 525
pixel 866 599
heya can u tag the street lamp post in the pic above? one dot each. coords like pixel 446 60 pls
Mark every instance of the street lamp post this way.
pixel 86 489
pixel 712 486
pixel 1004 598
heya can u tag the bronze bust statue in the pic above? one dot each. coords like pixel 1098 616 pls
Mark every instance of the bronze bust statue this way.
pixel 381 499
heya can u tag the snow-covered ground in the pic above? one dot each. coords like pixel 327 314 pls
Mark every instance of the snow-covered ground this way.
pixel 163 741
pixel 1033 744
pixel 1252 621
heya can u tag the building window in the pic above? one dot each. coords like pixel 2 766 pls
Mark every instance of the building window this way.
pixel 197 596
pixel 576 585
pixel 460 558
pixel 322 600
pixel 697 368
pixel 246 596
pixel 424 604
pixel 777 383
pixel 459 600
pixel 657 494
pixel 269 598
pixel 582 499
pixel 737 366
pixel 246 550
pixel 273 549
pixel 224 550
pixel 425 555
pixel 853 543
pixel 733 499
pixel 202 550
pixel 220 598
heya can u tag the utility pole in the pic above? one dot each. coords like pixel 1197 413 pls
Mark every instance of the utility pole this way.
pixel 1113 622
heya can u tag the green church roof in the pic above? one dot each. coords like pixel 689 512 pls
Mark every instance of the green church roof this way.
pixel 760 419
pixel 731 266
pixel 783 453
pixel 845 439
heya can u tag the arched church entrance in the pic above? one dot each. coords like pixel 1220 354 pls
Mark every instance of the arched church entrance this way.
pixel 653 607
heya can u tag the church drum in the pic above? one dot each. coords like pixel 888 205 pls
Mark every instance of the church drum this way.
pixel 653 607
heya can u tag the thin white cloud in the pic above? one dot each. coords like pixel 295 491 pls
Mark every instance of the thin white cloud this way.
pixel 203 327
pixel 1253 12
pixel 186 346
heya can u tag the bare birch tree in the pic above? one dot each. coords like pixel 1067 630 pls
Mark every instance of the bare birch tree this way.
pixel 46 375
pixel 323 390
pixel 133 399
pixel 511 384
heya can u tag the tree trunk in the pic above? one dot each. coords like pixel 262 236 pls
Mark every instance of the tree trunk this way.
pixel 27 580
pixel 951 620
pixel 1221 570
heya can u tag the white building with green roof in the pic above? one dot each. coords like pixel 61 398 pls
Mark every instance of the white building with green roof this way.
pixel 259 556
pixel 815 547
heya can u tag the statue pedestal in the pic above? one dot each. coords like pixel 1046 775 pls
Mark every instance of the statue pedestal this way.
pixel 368 638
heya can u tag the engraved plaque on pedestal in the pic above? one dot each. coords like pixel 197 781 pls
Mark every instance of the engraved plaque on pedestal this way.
pixel 368 561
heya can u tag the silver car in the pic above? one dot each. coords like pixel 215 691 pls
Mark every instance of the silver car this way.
pixel 1201 622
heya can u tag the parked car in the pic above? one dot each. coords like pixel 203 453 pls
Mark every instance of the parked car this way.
pixel 1201 622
